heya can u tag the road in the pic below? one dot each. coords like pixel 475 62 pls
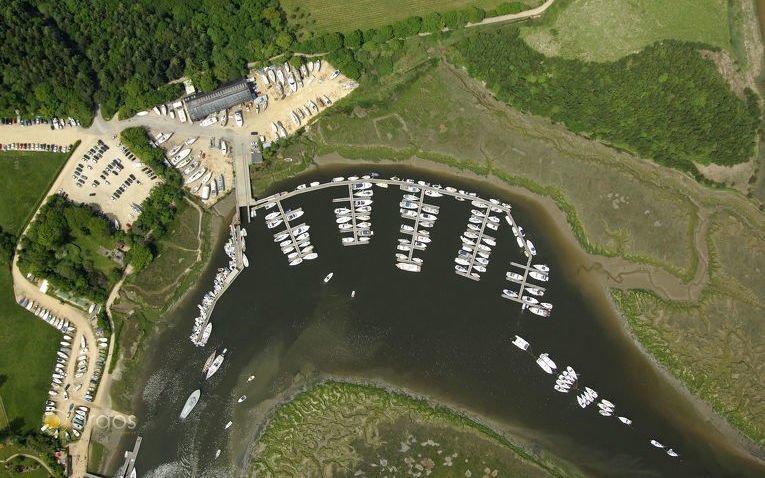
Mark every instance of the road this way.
pixel 534 12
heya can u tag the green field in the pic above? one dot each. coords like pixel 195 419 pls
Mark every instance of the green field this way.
pixel 26 177
pixel 602 30
pixel 329 15
pixel 375 432
pixel 27 356
pixel 27 344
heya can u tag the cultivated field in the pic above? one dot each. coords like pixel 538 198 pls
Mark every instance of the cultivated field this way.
pixel 330 16
pixel 26 177
pixel 649 228
pixel 374 431
pixel 602 30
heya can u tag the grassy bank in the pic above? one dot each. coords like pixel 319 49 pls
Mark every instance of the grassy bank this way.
pixel 329 16
pixel 27 356
pixel 145 297
pixel 375 431
pixel 26 177
pixel 27 344
pixel 605 30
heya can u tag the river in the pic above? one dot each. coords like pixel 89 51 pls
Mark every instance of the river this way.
pixel 434 333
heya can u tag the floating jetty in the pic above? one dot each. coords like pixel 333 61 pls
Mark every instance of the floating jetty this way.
pixel 413 208
pixel 295 241
pixel 473 256
pixel 225 276
pixel 354 219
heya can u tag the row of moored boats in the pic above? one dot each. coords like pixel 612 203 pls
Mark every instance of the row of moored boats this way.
pixel 354 218
pixel 473 256
pixel 568 380
pixel 419 218
pixel 202 328
pixel 294 241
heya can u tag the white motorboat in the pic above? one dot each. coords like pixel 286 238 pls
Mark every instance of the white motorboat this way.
pixel 195 176
pixel 409 267
pixel 241 399
pixel 191 402
pixel 310 256
pixel 190 141
pixel 535 291
pixel 328 277
pixel 540 311
pixel 540 276
pixel 180 156
pixel 245 261
pixel 353 294
pixel 174 150
pixel 521 343
pixel 542 267
pixel 672 453
pixel 215 365
pixel 509 294
pixel 545 363
pixel 209 121
pixel 223 147
pixel 191 168
pixel 625 420
pixel 531 247
pixel 514 276
pixel 657 444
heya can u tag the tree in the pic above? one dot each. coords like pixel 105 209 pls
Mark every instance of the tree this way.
pixel 139 256
pixel 332 41
pixel 7 245
pixel 353 39
pixel 474 14
pixel 432 23
pixel 284 40
pixel 407 27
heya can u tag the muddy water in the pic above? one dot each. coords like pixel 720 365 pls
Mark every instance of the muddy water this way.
pixel 435 333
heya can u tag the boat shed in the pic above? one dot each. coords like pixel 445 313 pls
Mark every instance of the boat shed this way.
pixel 201 105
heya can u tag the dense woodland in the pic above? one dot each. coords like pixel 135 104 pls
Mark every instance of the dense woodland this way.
pixel 666 102
pixel 59 246
pixel 63 57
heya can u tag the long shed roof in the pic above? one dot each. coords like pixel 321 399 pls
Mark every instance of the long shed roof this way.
pixel 202 105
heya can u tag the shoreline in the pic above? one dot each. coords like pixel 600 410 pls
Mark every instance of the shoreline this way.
pixel 745 446
pixel 306 383
pixel 223 210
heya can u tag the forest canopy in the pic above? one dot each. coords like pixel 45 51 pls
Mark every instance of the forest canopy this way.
pixel 62 245
pixel 63 58
pixel 667 102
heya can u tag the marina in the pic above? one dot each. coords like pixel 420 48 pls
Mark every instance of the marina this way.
pixel 417 332
pixel 353 222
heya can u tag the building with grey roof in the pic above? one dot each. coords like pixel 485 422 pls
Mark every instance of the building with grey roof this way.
pixel 202 105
